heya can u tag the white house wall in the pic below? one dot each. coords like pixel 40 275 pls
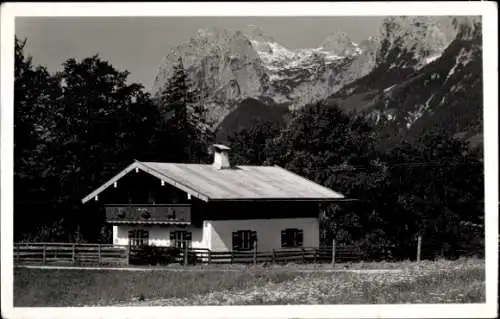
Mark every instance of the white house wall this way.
pixel 159 235
pixel 217 235
pixel 268 232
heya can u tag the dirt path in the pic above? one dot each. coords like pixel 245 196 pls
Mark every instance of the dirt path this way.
pixel 145 269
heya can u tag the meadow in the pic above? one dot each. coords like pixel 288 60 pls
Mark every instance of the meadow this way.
pixel 460 281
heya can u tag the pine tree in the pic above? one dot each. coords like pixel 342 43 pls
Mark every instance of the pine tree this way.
pixel 184 115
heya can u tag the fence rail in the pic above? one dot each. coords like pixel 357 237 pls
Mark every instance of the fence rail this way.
pixel 101 254
pixel 47 253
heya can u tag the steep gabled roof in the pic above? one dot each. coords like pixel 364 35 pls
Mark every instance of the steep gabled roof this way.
pixel 238 183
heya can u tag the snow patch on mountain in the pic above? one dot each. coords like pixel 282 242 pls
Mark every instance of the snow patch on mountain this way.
pixel 462 59
pixel 277 57
pixel 307 75
pixel 419 111
pixel 432 58
pixel 389 88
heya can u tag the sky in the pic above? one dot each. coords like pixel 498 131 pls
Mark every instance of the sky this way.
pixel 138 44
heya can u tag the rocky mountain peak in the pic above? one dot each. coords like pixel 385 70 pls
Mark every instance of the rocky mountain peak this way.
pixel 211 34
pixel 427 76
pixel 467 28
pixel 340 43
pixel 418 39
pixel 254 32
pixel 222 64
pixel 228 67
pixel 370 45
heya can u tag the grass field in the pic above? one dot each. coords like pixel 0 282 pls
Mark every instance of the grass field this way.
pixel 461 281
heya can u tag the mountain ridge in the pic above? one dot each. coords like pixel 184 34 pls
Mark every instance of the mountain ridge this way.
pixel 231 68
pixel 404 103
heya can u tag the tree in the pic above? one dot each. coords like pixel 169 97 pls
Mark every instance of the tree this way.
pixel 185 116
pixel 36 93
pixel 103 123
pixel 439 187
pixel 247 145
pixel 322 141
pixel 73 131
pixel 336 150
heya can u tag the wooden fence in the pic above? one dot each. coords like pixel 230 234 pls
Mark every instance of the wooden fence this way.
pixel 78 254
pixel 67 253
pixel 101 254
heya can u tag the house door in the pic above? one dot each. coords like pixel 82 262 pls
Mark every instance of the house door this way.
pixel 181 238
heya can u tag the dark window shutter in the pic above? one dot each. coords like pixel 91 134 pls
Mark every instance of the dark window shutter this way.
pixel 140 237
pixel 253 239
pixel 284 241
pixel 189 236
pixel 236 241
pixel 131 238
pixel 300 237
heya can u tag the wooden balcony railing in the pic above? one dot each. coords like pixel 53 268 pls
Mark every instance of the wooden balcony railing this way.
pixel 149 214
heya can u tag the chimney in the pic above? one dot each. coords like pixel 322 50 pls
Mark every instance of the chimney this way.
pixel 221 157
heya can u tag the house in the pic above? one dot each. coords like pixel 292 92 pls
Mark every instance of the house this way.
pixel 219 206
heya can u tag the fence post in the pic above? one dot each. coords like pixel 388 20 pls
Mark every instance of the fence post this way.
pixel 99 254
pixel 255 252
pixel 209 257
pixel 274 257
pixel 128 254
pixel 44 254
pixel 303 255
pixel 73 255
pixel 333 252
pixel 419 248
pixel 185 254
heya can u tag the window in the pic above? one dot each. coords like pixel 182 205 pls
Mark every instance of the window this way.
pixel 138 238
pixel 292 237
pixel 180 238
pixel 244 239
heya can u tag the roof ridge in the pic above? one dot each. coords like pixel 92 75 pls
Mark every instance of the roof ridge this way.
pixel 202 164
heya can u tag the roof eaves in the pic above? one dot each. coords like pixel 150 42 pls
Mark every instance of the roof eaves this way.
pixel 193 192
pixel 286 199
pixel 148 169
pixel 110 182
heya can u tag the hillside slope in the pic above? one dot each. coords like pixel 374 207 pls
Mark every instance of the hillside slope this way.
pixel 443 95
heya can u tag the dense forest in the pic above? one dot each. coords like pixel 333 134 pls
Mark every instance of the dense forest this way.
pixel 76 128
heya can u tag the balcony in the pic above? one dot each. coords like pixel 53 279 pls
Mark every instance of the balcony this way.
pixel 148 214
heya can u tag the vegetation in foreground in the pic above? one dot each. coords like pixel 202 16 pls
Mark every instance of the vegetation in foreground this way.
pixel 461 281
pixel 73 287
